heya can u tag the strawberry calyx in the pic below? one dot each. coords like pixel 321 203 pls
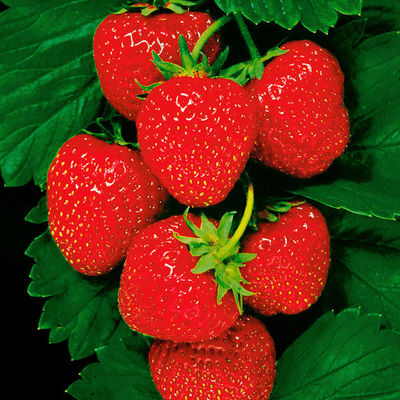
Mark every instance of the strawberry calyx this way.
pixel 110 135
pixel 275 208
pixel 149 7
pixel 218 251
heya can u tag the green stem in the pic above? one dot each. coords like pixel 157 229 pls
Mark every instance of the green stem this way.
pixel 254 53
pixel 207 34
pixel 227 249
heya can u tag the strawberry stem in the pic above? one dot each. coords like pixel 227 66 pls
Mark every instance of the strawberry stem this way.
pixel 247 214
pixel 244 30
pixel 218 24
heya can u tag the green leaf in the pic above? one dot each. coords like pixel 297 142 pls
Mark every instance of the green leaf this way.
pixel 38 214
pixel 48 84
pixel 82 310
pixel 313 14
pixel 365 265
pixel 121 373
pixel 345 356
pixel 382 15
pixel 366 178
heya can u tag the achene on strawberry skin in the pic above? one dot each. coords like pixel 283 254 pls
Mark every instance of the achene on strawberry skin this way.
pixel 291 267
pixel 239 364
pixel 196 134
pixel 123 45
pixel 99 196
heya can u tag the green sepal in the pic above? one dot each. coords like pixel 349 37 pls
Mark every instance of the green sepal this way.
pixel 225 226
pixel 274 208
pixel 111 134
pixel 207 245
pixel 187 59
pixel 167 69
pixel 245 71
pixel 146 89
pixel 149 7
pixel 219 62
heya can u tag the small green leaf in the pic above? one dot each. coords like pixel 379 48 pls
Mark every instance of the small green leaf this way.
pixel 38 214
pixel 346 356
pixel 313 14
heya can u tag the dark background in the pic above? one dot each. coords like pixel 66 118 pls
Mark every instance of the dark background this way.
pixel 32 366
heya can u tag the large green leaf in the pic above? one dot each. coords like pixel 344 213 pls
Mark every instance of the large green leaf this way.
pixel 48 84
pixel 313 14
pixel 366 179
pixel 122 373
pixel 382 15
pixel 341 357
pixel 82 310
pixel 365 268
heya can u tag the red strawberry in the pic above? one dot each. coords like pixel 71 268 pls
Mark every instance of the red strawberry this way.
pixel 159 294
pixel 239 364
pixel 99 196
pixel 196 134
pixel 304 125
pixel 123 46
pixel 292 262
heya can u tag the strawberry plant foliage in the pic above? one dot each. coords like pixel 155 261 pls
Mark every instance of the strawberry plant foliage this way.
pixel 365 265
pixel 54 92
pixel 313 14
pixel 121 373
pixel 80 310
pixel 346 356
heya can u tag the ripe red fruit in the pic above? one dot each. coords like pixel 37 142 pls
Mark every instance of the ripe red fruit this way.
pixel 196 134
pixel 292 262
pixel 304 125
pixel 239 364
pixel 123 45
pixel 99 196
pixel 160 296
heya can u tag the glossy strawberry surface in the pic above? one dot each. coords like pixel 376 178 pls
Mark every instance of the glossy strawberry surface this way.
pixel 196 134
pixel 303 123
pixel 123 45
pixel 239 364
pixel 160 296
pixel 99 196
pixel 292 262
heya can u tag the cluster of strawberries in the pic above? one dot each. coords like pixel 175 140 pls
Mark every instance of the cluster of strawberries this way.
pixel 184 280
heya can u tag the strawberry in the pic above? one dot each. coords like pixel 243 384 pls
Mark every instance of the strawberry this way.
pixel 239 364
pixel 99 196
pixel 304 125
pixel 123 45
pixel 292 262
pixel 196 134
pixel 159 294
